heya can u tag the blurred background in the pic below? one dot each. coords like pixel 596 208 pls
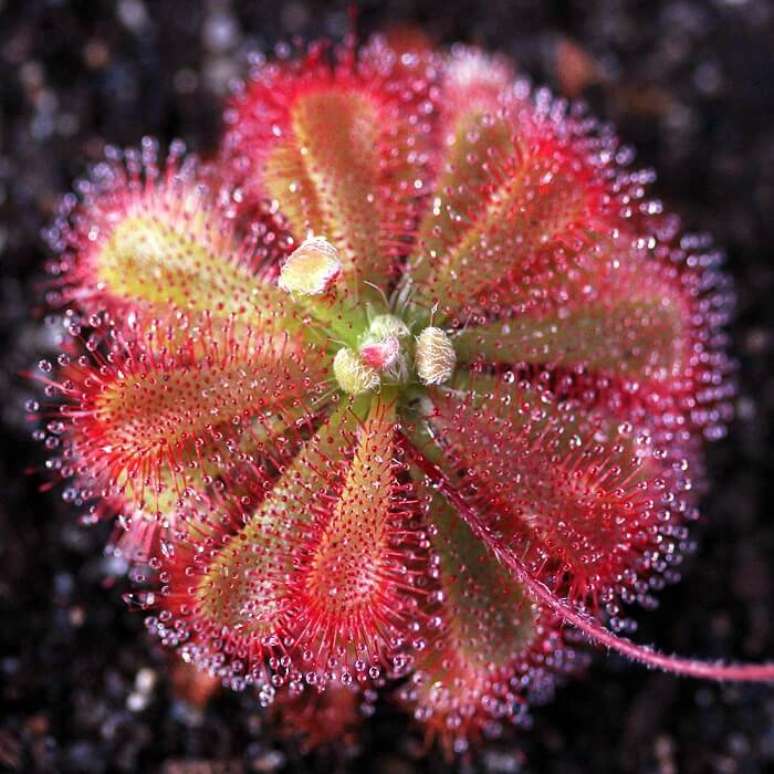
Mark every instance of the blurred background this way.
pixel 689 83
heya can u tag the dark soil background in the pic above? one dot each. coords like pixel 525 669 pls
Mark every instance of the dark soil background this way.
pixel 689 83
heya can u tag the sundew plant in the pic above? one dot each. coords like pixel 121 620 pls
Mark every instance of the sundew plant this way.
pixel 403 390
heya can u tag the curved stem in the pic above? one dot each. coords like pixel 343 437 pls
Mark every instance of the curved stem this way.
pixel 590 627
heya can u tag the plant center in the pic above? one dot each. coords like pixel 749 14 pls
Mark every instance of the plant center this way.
pixel 387 352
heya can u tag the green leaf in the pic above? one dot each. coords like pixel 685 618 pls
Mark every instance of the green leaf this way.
pixel 631 337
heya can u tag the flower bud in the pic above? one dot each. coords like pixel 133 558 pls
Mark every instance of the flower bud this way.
pixel 353 376
pixel 435 356
pixel 311 269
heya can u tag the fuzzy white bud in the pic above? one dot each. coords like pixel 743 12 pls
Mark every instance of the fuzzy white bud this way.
pixel 311 268
pixel 435 357
pixel 353 376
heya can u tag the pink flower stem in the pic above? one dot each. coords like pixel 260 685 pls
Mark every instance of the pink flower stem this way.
pixel 590 627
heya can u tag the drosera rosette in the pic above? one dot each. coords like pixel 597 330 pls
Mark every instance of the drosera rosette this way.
pixel 405 389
